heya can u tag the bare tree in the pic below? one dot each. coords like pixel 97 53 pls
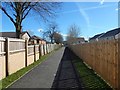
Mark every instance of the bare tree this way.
pixel 51 30
pixel 17 11
pixel 73 33
pixel 58 38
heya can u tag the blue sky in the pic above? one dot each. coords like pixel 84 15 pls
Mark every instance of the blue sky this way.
pixel 92 18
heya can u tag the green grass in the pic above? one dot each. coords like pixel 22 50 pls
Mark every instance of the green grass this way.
pixel 10 79
pixel 88 77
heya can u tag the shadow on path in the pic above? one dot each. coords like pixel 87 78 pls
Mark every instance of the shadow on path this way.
pixel 66 76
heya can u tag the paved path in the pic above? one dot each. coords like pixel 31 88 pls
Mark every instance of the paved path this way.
pixel 66 76
pixel 56 72
pixel 43 75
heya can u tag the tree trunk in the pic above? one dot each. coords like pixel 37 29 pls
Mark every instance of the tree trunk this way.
pixel 18 30
pixel 18 20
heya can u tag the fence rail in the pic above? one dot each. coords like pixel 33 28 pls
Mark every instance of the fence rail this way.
pixel 16 45
pixel 15 54
pixel 31 49
pixel 37 48
pixel 2 46
pixel 103 57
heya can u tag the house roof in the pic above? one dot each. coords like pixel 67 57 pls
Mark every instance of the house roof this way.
pixel 111 33
pixel 97 36
pixel 25 32
pixel 81 38
pixel 8 34
pixel 36 38
pixel 12 34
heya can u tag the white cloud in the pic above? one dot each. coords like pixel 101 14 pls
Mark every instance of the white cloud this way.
pixel 40 30
pixel 71 11
pixel 84 14
pixel 102 1
pixel 90 8
pixel 97 7
pixel 117 9
pixel 64 35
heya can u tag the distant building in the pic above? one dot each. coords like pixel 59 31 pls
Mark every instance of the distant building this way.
pixel 112 34
pixel 76 40
pixel 96 37
pixel 36 40
pixel 24 35
pixel 65 43
pixel 80 40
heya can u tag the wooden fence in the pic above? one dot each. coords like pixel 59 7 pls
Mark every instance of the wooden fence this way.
pixel 15 54
pixel 103 57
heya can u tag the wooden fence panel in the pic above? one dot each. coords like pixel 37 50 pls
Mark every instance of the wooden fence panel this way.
pixel 103 57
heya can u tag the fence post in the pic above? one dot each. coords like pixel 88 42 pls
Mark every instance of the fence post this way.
pixel 44 49
pixel 48 48
pixel 7 56
pixel 39 51
pixel 26 52
pixel 34 52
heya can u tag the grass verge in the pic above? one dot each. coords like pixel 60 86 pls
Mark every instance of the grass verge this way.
pixel 4 83
pixel 88 77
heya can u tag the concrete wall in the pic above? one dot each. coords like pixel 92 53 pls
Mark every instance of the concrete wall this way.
pixel 16 62
pixel 30 59
pixel 37 56
pixel 42 52
pixel 48 48
pixel 17 52
pixel 45 48
pixel 2 67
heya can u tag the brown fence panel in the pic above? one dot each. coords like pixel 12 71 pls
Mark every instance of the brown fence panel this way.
pixel 102 57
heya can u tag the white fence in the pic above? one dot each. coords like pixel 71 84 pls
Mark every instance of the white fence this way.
pixel 15 54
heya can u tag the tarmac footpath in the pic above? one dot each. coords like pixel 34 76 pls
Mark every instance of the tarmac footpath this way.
pixel 43 75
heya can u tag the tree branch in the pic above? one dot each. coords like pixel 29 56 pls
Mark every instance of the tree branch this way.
pixel 7 14
pixel 25 8
pixel 11 4
pixel 26 14
pixel 28 6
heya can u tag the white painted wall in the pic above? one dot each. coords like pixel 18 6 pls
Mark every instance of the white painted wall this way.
pixel 117 36
pixel 25 36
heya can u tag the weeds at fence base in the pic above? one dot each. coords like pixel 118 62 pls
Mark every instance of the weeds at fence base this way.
pixel 88 77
